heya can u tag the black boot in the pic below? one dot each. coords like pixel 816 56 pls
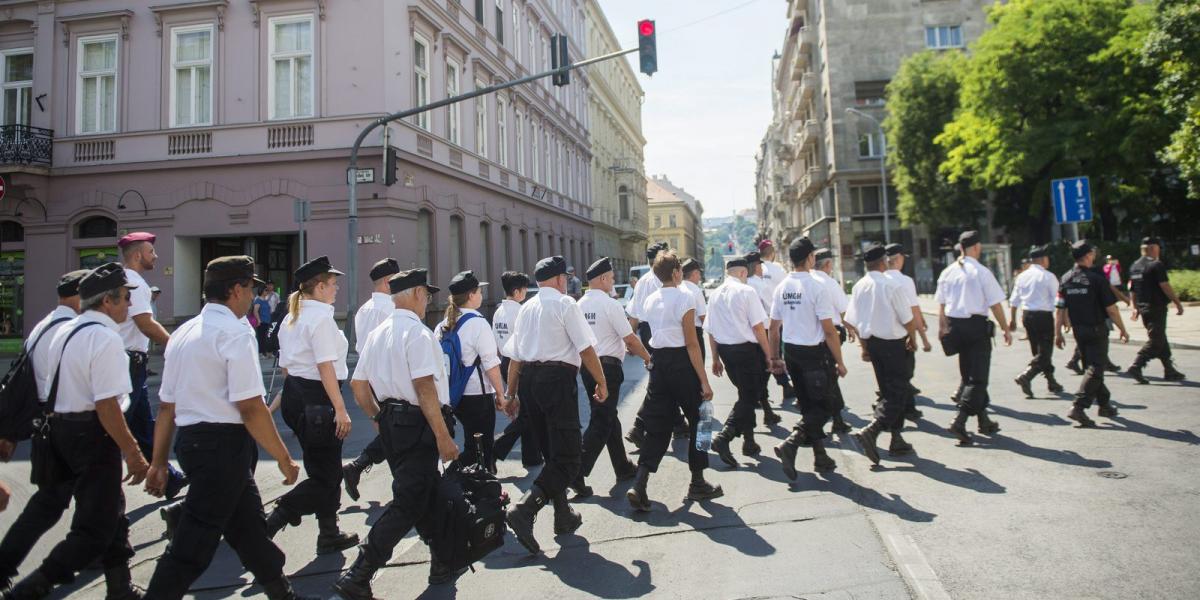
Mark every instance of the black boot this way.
pixel 35 586
pixel 1078 415
pixel 1023 380
pixel 171 514
pixel 330 538
pixel 749 446
pixel 521 516
pixel 637 494
pixel 959 428
pixel 866 438
pixel 1112 368
pixel 352 474
pixel 700 490
pixel 279 518
pixel 356 583
pixel 580 489
pixel 770 417
pixel 566 520
pixel 440 574
pixel 913 414
pixel 786 452
pixel 118 584
pixel 1074 366
pixel 821 461
pixel 1135 372
pixel 1053 385
pixel 635 436
pixel 1108 411
pixel 720 445
pixel 839 424
pixel 899 447
pixel 986 425
pixel 281 589
pixel 1170 373
pixel 626 471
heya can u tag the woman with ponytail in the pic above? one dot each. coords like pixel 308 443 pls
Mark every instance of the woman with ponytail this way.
pixel 312 354
pixel 483 395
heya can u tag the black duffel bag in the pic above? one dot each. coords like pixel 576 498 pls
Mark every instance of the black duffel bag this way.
pixel 467 516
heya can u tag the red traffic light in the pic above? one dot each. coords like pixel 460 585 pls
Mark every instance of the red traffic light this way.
pixel 646 27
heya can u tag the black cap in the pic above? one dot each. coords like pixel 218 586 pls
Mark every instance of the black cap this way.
pixel 230 268
pixel 968 238
pixel 513 280
pixel 800 249
pixel 824 253
pixel 752 257
pixel 317 266
pixel 105 278
pixel 690 265
pixel 68 284
pixel 1080 249
pixel 598 268
pixel 736 262
pixel 465 282
pixel 1151 239
pixel 405 280
pixel 652 251
pixel 1038 252
pixel 550 267
pixel 894 249
pixel 874 252
pixel 384 268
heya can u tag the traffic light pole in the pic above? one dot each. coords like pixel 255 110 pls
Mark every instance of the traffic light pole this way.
pixel 352 171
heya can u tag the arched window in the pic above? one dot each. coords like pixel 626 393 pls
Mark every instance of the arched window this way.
pixel 456 244
pixel 623 197
pixel 11 232
pixel 425 239
pixel 96 227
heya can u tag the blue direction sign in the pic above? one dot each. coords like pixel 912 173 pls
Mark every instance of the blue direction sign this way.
pixel 1072 199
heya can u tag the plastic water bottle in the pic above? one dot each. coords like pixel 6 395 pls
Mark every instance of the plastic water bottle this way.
pixel 704 427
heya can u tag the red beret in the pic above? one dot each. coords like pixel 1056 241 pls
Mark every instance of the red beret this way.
pixel 135 237
pixel 765 244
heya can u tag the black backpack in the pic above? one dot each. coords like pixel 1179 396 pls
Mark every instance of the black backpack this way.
pixel 271 340
pixel 467 517
pixel 18 393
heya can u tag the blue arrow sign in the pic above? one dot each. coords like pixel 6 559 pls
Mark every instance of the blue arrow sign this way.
pixel 1072 200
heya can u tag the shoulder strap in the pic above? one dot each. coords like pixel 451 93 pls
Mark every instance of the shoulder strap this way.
pixel 54 385
pixel 478 360
pixel 43 332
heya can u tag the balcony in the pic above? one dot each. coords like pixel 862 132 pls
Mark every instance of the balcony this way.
pixel 808 86
pixel 811 182
pixel 807 134
pixel 22 145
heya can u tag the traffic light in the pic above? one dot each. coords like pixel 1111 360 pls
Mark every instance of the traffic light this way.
pixel 559 58
pixel 391 164
pixel 647 47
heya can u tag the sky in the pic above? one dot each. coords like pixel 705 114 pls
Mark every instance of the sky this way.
pixel 709 104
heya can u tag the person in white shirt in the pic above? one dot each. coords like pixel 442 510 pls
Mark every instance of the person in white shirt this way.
pixel 312 354
pixel 516 288
pixel 87 437
pixel 400 382
pixel 693 276
pixel 773 273
pixel 1036 291
pixel 966 292
pixel 366 319
pixel 47 504
pixel 886 329
pixel 484 391
pixel 896 256
pixel 824 273
pixel 212 390
pixel 755 280
pixel 614 337
pixel 550 339
pixel 739 347
pixel 138 331
pixel 645 286
pixel 677 382
pixel 802 324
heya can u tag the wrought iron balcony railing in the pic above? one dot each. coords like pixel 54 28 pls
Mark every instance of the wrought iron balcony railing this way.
pixel 25 145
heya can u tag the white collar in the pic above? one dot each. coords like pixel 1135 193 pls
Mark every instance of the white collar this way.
pixel 548 292
pixel 799 274
pixel 311 304
pixel 404 313
pixel 218 309
pixel 61 311
pixel 596 292
pixel 468 311
pixel 876 275
pixel 99 317
pixel 511 301
pixel 382 298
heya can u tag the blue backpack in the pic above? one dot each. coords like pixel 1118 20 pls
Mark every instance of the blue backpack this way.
pixel 459 373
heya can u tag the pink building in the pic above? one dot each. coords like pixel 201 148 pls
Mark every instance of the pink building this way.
pixel 204 121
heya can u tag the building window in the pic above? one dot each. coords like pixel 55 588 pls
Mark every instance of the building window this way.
pixel 520 129
pixel 535 156
pixel 531 56
pixel 623 201
pixel 191 82
pixel 516 31
pixel 506 240
pixel 96 227
pixel 485 249
pixel 18 87
pixel 453 112
pixel 865 200
pixel 481 139
pixel 658 221
pixel 524 239
pixel 291 88
pixel 96 107
pixel 945 36
pixel 870 93
pixel 425 239
pixel 456 244
pixel 550 168
pixel 671 220
pixel 11 232
pixel 502 130
pixel 479 11
pixel 500 21
pixel 870 144
pixel 537 243
pixel 421 79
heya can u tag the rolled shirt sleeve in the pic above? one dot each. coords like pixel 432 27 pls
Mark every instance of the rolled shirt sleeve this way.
pixel 900 305
pixel 993 294
pixel 577 327
pixel 823 305
pixel 242 368
pixel 324 341
pixel 754 308
pixel 419 352
pixel 110 369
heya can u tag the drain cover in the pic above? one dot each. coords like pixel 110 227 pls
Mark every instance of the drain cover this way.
pixel 1112 475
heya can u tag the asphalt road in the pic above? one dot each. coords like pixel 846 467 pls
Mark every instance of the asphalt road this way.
pixel 1040 510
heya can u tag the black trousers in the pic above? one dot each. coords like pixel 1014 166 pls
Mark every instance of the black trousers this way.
pixel 747 370
pixel 604 427
pixel 891 375
pixel 550 395
pixel 1154 318
pixel 974 362
pixel 222 501
pixel 836 402
pixel 1093 348
pixel 808 368
pixel 703 345
pixel 517 429
pixel 1039 325
pixel 477 414
pixel 674 386
pixel 99 527
pixel 321 492
pixel 42 512
pixel 412 457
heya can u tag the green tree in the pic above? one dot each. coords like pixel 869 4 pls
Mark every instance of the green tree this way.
pixel 1173 47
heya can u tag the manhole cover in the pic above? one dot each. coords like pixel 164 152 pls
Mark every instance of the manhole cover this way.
pixel 1112 475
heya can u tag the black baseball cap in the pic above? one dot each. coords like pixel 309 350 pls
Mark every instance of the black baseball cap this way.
pixel 968 238
pixel 231 268
pixel 68 284
pixel 652 251
pixel 317 266
pixel 105 278
pixel 874 252
pixel 690 265
pixel 894 249
pixel 550 267
pixel 824 253
pixel 1151 239
pixel 384 268
pixel 800 249
pixel 600 267
pixel 736 262
pixel 464 283
pixel 405 280
pixel 1036 252
pixel 752 257
pixel 1080 249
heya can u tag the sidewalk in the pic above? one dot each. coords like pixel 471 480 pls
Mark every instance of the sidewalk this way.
pixel 1183 331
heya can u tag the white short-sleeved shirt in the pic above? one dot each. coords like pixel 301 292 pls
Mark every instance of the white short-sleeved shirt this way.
pixel 664 311
pixel 733 311
pixel 837 295
pixel 40 359
pixel 801 303
pixel 773 275
pixel 502 321
pixel 477 341
pixel 701 303
pixel 968 288
pixel 139 304
pixel 878 308
pixel 765 291
pixel 312 339
pixel 93 367
pixel 608 322
pixel 369 316
pixel 400 350
pixel 906 284
pixel 648 284
pixel 1035 290
pixel 549 327
pixel 210 363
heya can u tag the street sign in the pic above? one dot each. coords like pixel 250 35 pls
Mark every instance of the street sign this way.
pixel 2 186
pixel 1072 200
pixel 301 211
pixel 363 176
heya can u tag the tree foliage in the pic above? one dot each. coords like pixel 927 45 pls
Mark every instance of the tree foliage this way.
pixel 1173 47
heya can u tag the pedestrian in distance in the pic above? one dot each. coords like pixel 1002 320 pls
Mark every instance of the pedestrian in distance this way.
pixel 516 289
pixel 1036 292
pixel 1150 292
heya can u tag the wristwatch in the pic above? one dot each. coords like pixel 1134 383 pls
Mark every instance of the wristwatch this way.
pixel 510 397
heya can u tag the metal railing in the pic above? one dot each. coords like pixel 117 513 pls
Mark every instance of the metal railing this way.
pixel 25 145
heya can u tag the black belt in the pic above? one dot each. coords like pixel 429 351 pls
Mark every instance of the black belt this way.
pixel 80 417
pixel 214 428
pixel 406 406
pixel 741 345
pixel 556 364
pixel 612 361
pixel 1039 312
pixel 970 318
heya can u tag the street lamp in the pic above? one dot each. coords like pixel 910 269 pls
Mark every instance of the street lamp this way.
pixel 887 229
